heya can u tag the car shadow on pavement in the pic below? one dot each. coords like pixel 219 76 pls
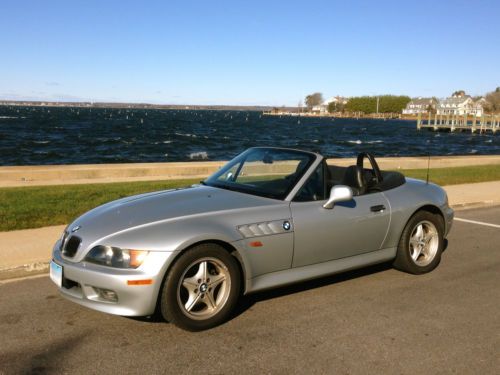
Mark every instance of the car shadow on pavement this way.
pixel 41 359
pixel 248 301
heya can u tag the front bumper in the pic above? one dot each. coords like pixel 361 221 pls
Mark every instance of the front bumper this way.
pixel 449 214
pixel 83 281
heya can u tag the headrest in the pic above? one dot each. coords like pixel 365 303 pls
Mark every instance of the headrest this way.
pixel 355 178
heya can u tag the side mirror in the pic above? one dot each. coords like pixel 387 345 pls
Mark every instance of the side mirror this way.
pixel 339 193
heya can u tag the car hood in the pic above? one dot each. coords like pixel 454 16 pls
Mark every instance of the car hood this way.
pixel 141 210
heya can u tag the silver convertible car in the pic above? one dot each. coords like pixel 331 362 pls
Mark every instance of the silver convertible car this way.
pixel 269 217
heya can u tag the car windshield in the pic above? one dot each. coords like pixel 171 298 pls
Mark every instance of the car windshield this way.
pixel 267 172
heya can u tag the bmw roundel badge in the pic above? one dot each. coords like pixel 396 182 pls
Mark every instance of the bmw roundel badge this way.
pixel 286 225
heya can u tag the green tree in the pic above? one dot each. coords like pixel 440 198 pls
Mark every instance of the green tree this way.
pixel 314 99
pixel 368 104
pixel 336 107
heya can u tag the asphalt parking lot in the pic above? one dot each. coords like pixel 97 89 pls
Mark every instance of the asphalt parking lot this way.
pixel 376 320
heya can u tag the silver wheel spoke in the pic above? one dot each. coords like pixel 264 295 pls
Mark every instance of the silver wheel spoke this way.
pixel 414 242
pixel 420 232
pixel 190 284
pixel 216 280
pixel 201 274
pixel 416 253
pixel 192 301
pixel 210 301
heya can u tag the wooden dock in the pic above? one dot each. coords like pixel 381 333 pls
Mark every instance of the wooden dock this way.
pixel 451 123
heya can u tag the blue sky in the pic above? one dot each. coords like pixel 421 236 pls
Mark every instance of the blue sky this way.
pixel 245 52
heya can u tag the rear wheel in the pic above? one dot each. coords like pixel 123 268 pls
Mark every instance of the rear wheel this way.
pixel 421 244
pixel 201 289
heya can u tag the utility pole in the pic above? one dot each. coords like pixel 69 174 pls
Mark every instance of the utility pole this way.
pixel 377 103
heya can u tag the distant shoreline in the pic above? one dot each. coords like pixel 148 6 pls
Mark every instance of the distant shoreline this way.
pixel 266 110
pixel 27 103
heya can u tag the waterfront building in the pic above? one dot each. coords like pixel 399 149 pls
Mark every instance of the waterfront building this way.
pixel 460 105
pixel 323 107
pixel 420 105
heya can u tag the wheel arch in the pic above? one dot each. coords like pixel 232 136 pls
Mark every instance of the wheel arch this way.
pixel 433 209
pixel 231 249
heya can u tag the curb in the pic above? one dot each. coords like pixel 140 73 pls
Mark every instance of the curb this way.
pixel 25 270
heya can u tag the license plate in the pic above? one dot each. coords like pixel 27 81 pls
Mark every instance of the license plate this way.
pixel 56 272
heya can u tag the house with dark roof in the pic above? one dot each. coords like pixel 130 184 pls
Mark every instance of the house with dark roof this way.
pixel 420 105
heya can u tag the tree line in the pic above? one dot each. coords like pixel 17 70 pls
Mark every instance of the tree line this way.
pixel 386 104
pixel 363 104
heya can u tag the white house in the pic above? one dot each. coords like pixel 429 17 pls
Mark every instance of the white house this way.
pixel 323 107
pixel 419 105
pixel 459 105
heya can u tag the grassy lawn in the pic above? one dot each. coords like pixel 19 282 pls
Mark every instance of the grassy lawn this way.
pixel 33 207
pixel 39 206
pixel 457 175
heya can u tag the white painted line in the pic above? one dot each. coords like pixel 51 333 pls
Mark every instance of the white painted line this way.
pixel 478 222
pixel 8 281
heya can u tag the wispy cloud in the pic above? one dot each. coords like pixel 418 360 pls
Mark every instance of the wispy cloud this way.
pixel 52 83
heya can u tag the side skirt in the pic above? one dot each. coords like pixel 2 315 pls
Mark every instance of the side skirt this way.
pixel 313 271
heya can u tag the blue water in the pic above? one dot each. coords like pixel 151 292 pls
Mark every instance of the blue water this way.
pixel 43 135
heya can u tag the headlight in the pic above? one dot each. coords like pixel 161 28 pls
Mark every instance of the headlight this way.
pixel 116 257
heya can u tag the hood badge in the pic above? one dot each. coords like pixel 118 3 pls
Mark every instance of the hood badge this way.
pixel 286 225
pixel 74 229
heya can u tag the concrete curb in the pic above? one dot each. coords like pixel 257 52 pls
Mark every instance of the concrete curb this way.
pixel 27 252
pixel 30 269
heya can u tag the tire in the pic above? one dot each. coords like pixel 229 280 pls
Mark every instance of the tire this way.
pixel 201 289
pixel 421 244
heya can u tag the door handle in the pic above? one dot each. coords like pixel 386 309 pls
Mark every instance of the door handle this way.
pixel 377 208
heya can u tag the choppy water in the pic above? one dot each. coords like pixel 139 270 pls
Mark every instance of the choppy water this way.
pixel 42 135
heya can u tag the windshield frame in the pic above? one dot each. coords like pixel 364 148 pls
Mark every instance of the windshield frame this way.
pixel 241 188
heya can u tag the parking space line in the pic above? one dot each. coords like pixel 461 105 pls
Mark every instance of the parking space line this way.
pixel 478 222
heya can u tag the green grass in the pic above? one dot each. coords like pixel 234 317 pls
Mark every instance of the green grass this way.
pixel 457 175
pixel 33 207
pixel 39 206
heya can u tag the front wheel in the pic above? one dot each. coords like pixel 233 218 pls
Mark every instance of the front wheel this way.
pixel 421 244
pixel 201 289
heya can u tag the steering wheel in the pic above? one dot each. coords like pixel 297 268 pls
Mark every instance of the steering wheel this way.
pixel 377 175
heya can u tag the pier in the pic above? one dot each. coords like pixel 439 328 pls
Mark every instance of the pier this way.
pixel 451 123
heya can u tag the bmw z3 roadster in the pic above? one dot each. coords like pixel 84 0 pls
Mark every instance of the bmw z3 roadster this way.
pixel 269 217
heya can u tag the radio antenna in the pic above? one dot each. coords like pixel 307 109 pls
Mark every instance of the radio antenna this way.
pixel 428 167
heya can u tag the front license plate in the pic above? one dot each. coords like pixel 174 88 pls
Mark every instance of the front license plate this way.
pixel 56 272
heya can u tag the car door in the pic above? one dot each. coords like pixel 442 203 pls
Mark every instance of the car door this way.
pixel 350 228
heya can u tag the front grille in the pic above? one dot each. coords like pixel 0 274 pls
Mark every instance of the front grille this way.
pixel 71 246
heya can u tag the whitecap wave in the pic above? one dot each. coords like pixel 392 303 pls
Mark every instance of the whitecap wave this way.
pixel 201 155
pixel 187 135
pixel 357 142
